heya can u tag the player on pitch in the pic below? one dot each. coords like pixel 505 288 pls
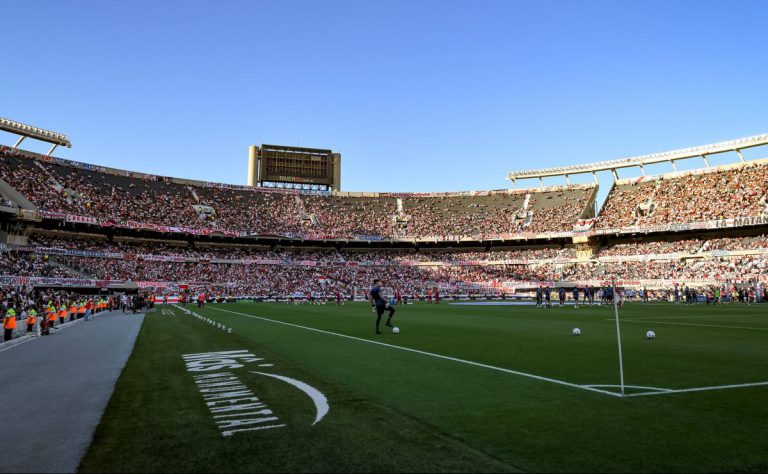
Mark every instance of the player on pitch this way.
pixel 379 305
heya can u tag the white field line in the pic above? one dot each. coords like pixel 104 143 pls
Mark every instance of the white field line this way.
pixel 632 386
pixel 654 321
pixel 431 354
pixel 699 389
pixel 590 388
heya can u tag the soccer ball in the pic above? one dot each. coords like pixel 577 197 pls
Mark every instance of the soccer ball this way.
pixel 395 330
pixel 650 335
pixel 576 331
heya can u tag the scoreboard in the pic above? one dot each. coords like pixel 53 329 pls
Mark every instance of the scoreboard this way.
pixel 287 166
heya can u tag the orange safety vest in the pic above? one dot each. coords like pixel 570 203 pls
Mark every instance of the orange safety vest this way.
pixel 9 322
pixel 81 310
pixel 72 309
pixel 51 315
pixel 31 320
pixel 62 314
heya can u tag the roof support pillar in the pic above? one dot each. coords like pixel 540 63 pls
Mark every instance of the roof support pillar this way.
pixel 594 175
pixel 706 161
pixel 21 139
pixel 567 180
pixel 615 174
pixel 741 157
pixel 642 168
pixel 674 165
pixel 541 182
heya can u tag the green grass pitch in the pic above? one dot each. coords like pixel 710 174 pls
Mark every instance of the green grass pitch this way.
pixel 460 389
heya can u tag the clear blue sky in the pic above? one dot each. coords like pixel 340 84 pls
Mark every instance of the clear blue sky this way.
pixel 417 96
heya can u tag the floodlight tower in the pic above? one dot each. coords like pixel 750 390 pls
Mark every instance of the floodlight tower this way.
pixel 28 131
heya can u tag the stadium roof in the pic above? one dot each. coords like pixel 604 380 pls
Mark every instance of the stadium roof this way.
pixel 639 161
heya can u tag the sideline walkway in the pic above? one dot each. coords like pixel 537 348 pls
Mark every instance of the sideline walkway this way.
pixel 56 388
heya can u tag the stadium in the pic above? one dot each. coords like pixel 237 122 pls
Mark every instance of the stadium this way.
pixel 559 324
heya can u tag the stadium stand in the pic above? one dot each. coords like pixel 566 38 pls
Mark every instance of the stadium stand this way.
pixel 96 227
pixel 113 198
pixel 730 191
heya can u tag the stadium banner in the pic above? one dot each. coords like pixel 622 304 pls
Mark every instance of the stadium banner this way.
pixel 646 258
pixel 366 237
pixel 63 216
pixel 59 216
pixel 82 219
pixel 14 280
pixel 749 221
pixel 155 284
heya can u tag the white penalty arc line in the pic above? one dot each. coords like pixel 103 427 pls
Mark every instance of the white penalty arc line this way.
pixel 321 403
pixel 431 354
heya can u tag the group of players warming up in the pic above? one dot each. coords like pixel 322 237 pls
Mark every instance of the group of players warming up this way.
pixel 379 305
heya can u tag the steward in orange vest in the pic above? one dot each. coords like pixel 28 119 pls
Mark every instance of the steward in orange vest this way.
pixel 51 310
pixel 9 324
pixel 31 319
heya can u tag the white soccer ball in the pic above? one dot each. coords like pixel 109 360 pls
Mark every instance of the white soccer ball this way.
pixel 576 331
pixel 650 335
pixel 395 330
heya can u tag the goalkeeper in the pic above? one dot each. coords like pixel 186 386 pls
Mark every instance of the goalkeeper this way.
pixel 379 305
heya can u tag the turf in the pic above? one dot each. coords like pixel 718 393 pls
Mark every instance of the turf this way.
pixel 405 411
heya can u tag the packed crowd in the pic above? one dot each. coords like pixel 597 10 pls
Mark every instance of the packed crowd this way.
pixel 281 279
pixel 328 269
pixel 162 201
pixel 321 255
pixel 741 269
pixel 29 264
pixel 326 279
pixel 691 197
pixel 649 248
pixel 738 243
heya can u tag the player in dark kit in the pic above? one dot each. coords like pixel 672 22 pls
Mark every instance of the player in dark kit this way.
pixel 379 305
